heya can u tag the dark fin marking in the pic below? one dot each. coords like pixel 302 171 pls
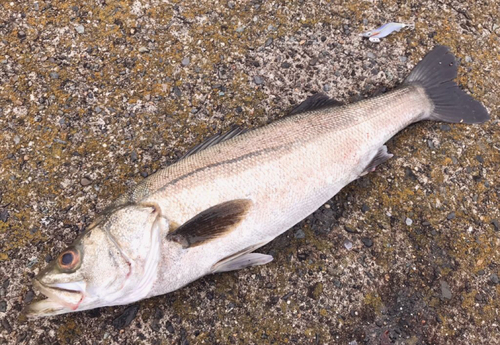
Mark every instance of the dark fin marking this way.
pixel 214 140
pixel 315 102
pixel 210 224
pixel 451 104
pixel 244 261
pixel 231 262
pixel 381 156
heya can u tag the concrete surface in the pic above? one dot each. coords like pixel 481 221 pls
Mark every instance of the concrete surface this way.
pixel 96 95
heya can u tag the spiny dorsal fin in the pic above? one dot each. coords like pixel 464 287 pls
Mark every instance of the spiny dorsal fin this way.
pixel 212 223
pixel 215 139
pixel 315 102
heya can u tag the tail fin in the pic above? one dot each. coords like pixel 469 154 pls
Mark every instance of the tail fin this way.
pixel 436 73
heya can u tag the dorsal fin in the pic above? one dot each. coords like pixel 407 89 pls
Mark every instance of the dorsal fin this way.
pixel 215 139
pixel 210 224
pixel 315 102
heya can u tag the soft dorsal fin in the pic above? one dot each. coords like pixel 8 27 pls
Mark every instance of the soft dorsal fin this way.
pixel 212 223
pixel 215 139
pixel 315 102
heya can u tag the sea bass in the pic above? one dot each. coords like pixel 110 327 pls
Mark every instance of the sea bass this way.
pixel 211 210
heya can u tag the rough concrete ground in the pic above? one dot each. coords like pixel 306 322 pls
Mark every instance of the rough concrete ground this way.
pixel 96 95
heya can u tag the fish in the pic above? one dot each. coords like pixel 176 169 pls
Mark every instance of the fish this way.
pixel 385 30
pixel 208 212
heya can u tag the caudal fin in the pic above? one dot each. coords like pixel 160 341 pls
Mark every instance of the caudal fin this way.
pixel 436 73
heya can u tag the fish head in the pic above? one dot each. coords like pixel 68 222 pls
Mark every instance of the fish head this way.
pixel 114 262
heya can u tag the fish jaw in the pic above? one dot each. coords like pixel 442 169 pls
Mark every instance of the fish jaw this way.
pixel 60 299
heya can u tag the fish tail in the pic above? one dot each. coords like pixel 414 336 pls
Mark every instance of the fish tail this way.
pixel 435 73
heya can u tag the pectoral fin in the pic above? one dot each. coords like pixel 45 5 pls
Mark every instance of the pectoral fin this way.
pixel 212 223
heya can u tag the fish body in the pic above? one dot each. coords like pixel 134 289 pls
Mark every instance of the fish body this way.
pixel 385 30
pixel 208 212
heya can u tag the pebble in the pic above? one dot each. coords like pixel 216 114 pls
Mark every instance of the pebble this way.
pixel 170 327
pixel 451 216
pixel 80 29
pixel 3 306
pixel 494 279
pixel 445 127
pixel 29 297
pixel 177 91
pixel 85 181
pixel 370 55
pixel 409 222
pixel 286 65
pixel 144 174
pixel 240 29
pixel 480 159
pixel 126 318
pixel 403 58
pixel 133 156
pixel 186 61
pixel 445 290
pixel 365 208
pixel 299 234
pixel 326 87
pixel 17 140
pixel 4 215
pixel 368 242
pixel 143 50
pixel 468 59
pixel 258 80
pixel 496 224
pixel 348 244
pixel 54 75
pixel 269 41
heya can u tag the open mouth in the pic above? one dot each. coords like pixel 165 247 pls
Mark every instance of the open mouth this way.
pixel 61 298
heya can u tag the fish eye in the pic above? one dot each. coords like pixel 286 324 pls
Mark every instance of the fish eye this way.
pixel 69 259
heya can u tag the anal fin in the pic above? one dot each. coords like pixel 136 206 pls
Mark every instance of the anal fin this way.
pixel 381 156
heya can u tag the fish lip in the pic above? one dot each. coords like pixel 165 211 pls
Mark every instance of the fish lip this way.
pixel 47 290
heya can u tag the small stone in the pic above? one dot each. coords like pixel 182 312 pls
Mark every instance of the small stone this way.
pixel 4 215
pixel 177 91
pixel 445 290
pixel 230 4
pixel 285 65
pixel 403 58
pixel 468 59
pixel 85 181
pixel 348 244
pixel 480 159
pixel 143 49
pixel 258 80
pixel 17 140
pixel 350 230
pixel 126 318
pixel 451 216
pixel 409 222
pixel 80 29
pixel 240 29
pixel 21 34
pixel 368 242
pixel 29 297
pixel 144 174
pixel 269 41
pixel 48 258
pixel 494 279
pixel 170 327
pixel 326 87
pixel 496 224
pixel 98 110
pixel 370 55
pixel 299 234
pixel 365 208
pixel 186 61
pixel 445 127
pixel 315 291
pixel 133 156
pixel 54 75
pixel 3 306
